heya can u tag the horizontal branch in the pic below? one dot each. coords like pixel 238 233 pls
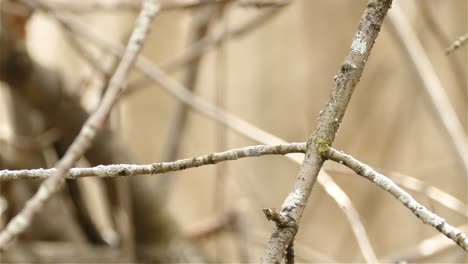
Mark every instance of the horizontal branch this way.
pixel 405 198
pixel 112 6
pixel 206 108
pixel 118 170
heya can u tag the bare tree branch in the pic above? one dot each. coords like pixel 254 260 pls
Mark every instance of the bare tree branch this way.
pixel 329 121
pixel 424 249
pixel 116 5
pixel 198 48
pixel 431 83
pixel 96 121
pixel 406 199
pixel 435 194
pixel 235 123
pixel 119 170
pixel 198 29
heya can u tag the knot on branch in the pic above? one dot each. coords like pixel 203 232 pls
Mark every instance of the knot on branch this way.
pixel 280 220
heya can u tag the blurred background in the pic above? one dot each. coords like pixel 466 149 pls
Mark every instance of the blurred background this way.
pixel 276 75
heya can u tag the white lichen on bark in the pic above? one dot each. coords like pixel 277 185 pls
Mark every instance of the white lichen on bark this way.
pixel 359 44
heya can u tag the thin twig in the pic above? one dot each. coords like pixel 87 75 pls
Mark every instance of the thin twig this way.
pixel 220 139
pixel 212 39
pixel 405 198
pixel 93 125
pixel 229 120
pixel 350 211
pixel 432 85
pixel 122 5
pixel 434 193
pixel 414 184
pixel 40 141
pixel 462 40
pixel 434 25
pixel 264 3
pixel 254 133
pixel 213 226
pixel 85 54
pixel 424 249
pixel 198 29
pixel 329 121
pixel 220 102
pixel 119 170
pixel 217 37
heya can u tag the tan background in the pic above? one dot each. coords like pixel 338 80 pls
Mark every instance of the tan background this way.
pixel 278 78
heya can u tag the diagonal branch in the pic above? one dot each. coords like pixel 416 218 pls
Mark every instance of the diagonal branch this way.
pixel 212 39
pixel 435 194
pixel 235 123
pixel 96 121
pixel 119 170
pixel 405 198
pixel 462 40
pixel 433 88
pixel 422 250
pixel 329 121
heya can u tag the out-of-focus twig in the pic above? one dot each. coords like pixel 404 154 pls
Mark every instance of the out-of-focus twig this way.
pixel 115 5
pixel 462 40
pixel 216 37
pixel 213 226
pixel 433 87
pixel 192 53
pixel 414 184
pixel 38 142
pixel 406 199
pixel 432 192
pixel 328 124
pixel 424 249
pixel 264 3
pixel 221 82
pixel 198 29
pixel 434 25
pixel 22 220
pixel 233 122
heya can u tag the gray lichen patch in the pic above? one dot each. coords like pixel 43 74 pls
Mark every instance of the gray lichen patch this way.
pixel 359 44
pixel 430 218
pixel 293 200
pixel 379 179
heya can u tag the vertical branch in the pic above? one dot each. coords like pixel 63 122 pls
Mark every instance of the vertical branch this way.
pixel 231 121
pixel 88 132
pixel 329 121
